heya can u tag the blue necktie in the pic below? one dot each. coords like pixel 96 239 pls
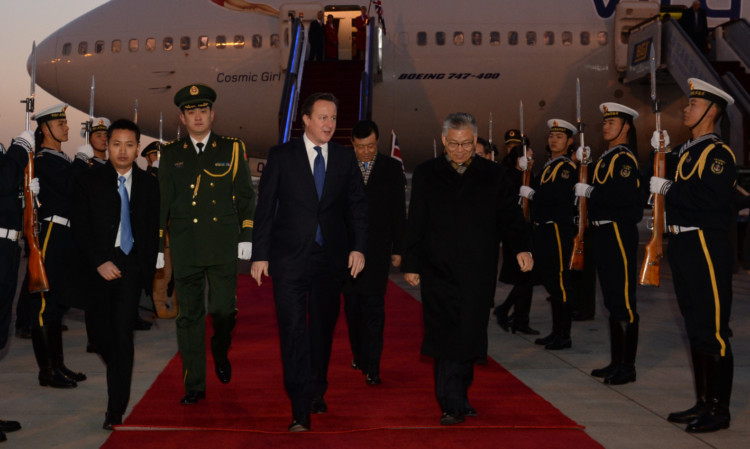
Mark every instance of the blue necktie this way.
pixel 366 164
pixel 319 173
pixel 126 234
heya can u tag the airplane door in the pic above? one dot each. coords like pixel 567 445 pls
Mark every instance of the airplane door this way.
pixel 305 11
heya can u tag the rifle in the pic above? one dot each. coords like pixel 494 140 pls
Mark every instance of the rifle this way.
pixel 526 178
pixel 651 266
pixel 38 281
pixel 576 257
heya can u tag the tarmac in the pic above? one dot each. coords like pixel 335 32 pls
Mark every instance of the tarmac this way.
pixel 618 417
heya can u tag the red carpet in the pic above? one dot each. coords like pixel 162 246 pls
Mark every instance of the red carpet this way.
pixel 253 409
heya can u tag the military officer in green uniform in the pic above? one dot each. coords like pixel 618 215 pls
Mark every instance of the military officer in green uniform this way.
pixel 208 200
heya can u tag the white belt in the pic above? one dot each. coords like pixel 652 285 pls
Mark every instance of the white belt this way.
pixel 10 234
pixel 59 220
pixel 601 222
pixel 674 229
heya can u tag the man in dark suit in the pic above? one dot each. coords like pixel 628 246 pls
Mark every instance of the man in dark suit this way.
pixel 364 296
pixel 115 226
pixel 311 197
pixel 317 38
pixel 695 24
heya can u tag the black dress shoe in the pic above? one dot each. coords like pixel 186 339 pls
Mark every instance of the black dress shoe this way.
pixel 300 424
pixel 355 365
pixel 559 343
pixel 524 329
pixel 141 324
pixel 111 420
pixel 448 419
pixel 470 412
pixel 544 341
pixel 2 437
pixel 72 375
pixel 373 380
pixel 192 397
pixel 224 372
pixel 318 406
pixel 9 426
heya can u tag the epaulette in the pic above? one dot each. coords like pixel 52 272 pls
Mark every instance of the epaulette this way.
pixel 229 138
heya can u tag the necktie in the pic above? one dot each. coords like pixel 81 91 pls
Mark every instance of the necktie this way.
pixel 200 147
pixel 319 174
pixel 126 234
pixel 366 164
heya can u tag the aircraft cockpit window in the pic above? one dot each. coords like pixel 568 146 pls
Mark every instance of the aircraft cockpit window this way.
pixel 66 49
pixel 257 41
pixel 185 42
pixel 203 42
pixel 275 40
pixel 116 46
pixel 150 44
pixel 99 47
pixel 531 38
pixel 168 44
pixel 512 38
pixel 476 38
pixel 549 38
pixel 221 42
pixel 567 38
pixel 83 48
pixel 421 38
pixel 494 38
pixel 239 41
pixel 133 45
pixel 458 38
pixel 602 38
pixel 585 37
pixel 440 38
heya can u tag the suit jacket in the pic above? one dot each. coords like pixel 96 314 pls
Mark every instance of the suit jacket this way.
pixel 386 218
pixel 95 219
pixel 317 34
pixel 288 211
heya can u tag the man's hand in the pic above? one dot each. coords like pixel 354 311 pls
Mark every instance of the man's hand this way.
pixel 109 271
pixel 582 153
pixel 525 261
pixel 155 164
pixel 244 250
pixel 160 261
pixel 396 260
pixel 412 279
pixel 258 269
pixel 356 263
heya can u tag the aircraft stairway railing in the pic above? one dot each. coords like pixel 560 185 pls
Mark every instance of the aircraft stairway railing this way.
pixel 372 68
pixel 292 81
pixel 737 35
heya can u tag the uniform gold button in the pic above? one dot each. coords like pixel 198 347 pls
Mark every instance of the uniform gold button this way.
pixel 212 184
pixel 193 203
pixel 192 186
pixel 213 202
pixel 215 219
pixel 195 220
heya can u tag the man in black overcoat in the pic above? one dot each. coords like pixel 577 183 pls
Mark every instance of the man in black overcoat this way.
pixel 461 208
pixel 317 38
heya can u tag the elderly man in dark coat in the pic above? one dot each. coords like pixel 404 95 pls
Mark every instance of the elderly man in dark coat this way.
pixel 461 208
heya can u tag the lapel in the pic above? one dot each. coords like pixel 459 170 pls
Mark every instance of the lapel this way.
pixel 303 163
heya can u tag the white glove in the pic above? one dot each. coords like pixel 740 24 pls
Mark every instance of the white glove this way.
pixel 655 140
pixel 244 250
pixel 583 189
pixel 155 164
pixel 86 150
pixel 580 153
pixel 526 192
pixel 25 139
pixel 659 186
pixel 523 163
pixel 160 261
pixel 34 186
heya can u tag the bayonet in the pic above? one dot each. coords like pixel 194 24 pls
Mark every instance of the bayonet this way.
pixel 29 101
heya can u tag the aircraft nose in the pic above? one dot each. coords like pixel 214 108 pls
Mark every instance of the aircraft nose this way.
pixel 46 64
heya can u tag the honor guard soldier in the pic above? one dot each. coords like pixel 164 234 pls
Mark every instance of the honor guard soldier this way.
pixel 151 154
pixel 553 214
pixel 702 177
pixel 614 210
pixel 208 200
pixel 98 141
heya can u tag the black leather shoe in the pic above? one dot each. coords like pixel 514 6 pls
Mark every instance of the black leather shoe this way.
pixel 2 437
pixel 685 416
pixel 559 343
pixel 373 380
pixel 622 375
pixel 713 419
pixel 72 375
pixel 141 324
pixel 470 412
pixel 318 406
pixel 192 397
pixel 449 419
pixel 300 424
pixel 111 420
pixel 9 426
pixel 525 329
pixel 355 365
pixel 604 372
pixel 224 372
pixel 55 379
pixel 544 341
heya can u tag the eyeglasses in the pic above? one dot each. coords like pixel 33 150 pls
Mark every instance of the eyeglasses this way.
pixel 468 145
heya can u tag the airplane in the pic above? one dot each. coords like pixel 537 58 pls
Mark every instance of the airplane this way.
pixel 432 58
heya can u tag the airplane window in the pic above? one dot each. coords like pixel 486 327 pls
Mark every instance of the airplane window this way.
pixel 476 38
pixel 116 46
pixel 512 37
pixel 531 38
pixel 440 38
pixel 602 37
pixel 150 44
pixel 585 37
pixel 83 48
pixel 133 45
pixel 257 40
pixel 567 38
pixel 66 49
pixel 185 42
pixel 239 41
pixel 202 42
pixel 221 42
pixel 458 38
pixel 421 38
pixel 494 38
pixel 274 40
pixel 549 38
pixel 99 47
pixel 168 44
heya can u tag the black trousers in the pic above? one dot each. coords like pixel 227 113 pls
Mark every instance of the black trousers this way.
pixel 10 253
pixel 365 317
pixel 112 320
pixel 57 251
pixel 701 263
pixel 452 381
pixel 616 248
pixel 307 308
pixel 553 244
